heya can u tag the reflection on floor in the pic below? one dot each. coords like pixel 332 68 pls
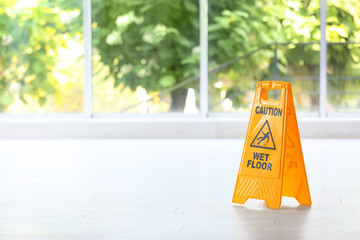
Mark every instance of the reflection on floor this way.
pixel 166 189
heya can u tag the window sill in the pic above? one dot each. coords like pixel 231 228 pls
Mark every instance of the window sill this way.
pixel 164 128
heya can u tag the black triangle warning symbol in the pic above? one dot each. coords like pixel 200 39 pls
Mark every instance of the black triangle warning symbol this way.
pixel 264 138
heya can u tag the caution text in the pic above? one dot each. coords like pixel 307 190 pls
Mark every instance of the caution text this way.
pixel 272 111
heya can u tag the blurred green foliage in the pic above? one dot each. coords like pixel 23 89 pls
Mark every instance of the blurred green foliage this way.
pixel 29 40
pixel 152 43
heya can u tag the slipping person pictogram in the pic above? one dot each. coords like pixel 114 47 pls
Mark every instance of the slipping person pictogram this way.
pixel 264 138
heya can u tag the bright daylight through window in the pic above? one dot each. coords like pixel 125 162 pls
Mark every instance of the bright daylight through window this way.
pixel 41 56
pixel 145 56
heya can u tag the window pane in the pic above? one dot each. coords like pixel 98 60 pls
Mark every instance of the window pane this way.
pixel 145 50
pixel 41 56
pixel 262 40
pixel 302 65
pixel 343 56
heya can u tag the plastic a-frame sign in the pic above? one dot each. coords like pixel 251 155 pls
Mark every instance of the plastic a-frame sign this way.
pixel 272 163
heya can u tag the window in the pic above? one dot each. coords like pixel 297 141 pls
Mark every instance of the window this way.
pixel 41 56
pixel 148 57
pixel 343 56
pixel 263 40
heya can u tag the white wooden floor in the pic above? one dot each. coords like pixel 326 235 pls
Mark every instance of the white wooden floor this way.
pixel 166 189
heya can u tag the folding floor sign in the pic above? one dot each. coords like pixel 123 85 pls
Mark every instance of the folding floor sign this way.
pixel 272 163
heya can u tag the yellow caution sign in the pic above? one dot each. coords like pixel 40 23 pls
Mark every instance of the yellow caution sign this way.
pixel 272 163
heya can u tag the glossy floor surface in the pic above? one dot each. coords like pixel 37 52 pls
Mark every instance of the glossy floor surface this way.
pixel 166 189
